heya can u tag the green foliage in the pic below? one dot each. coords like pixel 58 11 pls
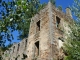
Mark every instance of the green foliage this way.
pixel 17 18
pixel 6 55
pixel 76 9
pixel 72 45
pixel 0 57
pixel 5 47
pixel 53 2
pixel 60 8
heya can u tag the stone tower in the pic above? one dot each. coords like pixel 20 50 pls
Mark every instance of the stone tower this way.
pixel 46 34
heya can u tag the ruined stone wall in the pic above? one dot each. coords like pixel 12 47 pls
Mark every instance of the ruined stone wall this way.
pixel 45 40
pixel 16 51
pixel 61 31
pixel 39 35
pixel 50 36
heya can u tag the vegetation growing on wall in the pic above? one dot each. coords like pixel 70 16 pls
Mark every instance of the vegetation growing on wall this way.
pixel 72 46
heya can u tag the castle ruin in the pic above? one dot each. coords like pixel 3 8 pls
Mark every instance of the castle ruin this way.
pixel 46 36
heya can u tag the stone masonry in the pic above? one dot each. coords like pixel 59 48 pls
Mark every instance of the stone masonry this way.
pixel 47 31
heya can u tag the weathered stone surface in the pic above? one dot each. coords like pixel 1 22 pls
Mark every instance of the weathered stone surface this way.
pixel 47 28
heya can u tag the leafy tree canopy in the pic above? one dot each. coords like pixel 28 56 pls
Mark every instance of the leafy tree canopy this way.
pixel 72 46
pixel 15 16
pixel 53 2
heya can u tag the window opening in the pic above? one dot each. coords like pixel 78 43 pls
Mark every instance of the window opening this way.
pixel 24 56
pixel 37 49
pixel 16 58
pixel 38 25
pixel 13 49
pixel 25 43
pixel 18 47
pixel 57 21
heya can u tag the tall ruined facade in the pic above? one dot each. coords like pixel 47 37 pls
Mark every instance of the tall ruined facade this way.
pixel 47 31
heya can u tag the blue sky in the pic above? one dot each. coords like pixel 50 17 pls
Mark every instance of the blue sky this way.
pixel 63 3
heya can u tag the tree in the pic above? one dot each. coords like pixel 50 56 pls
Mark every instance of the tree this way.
pixel 16 17
pixel 53 2
pixel 72 46
pixel 1 53
pixel 76 9
pixel 60 8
